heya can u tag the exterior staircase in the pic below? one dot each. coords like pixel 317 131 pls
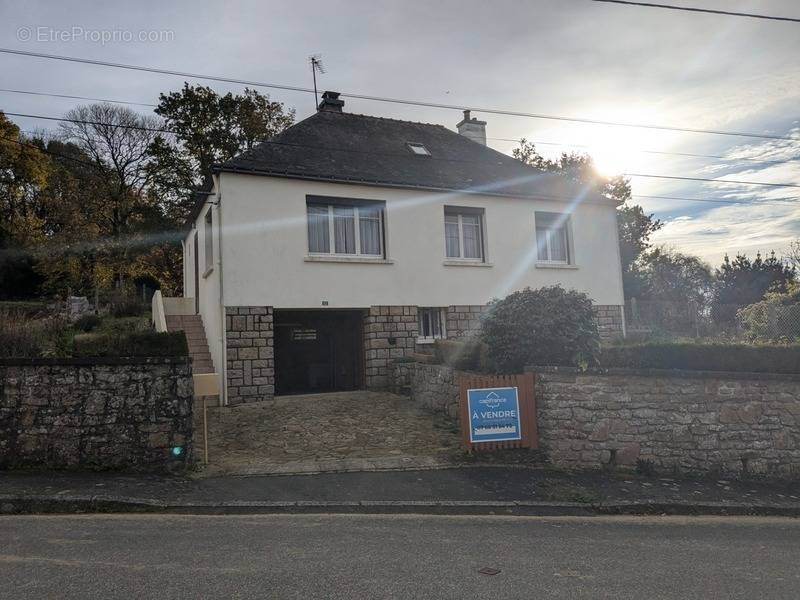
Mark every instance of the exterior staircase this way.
pixel 192 326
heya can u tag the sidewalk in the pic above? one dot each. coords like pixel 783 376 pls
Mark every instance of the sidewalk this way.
pixel 465 490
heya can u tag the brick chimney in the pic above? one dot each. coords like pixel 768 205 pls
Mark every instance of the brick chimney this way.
pixel 331 102
pixel 472 128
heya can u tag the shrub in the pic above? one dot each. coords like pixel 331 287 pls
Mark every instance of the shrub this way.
pixel 87 323
pixel 547 326
pixel 24 337
pixel 693 356
pixel 127 307
pixel 137 343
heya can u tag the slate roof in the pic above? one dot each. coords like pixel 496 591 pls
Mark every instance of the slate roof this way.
pixel 346 147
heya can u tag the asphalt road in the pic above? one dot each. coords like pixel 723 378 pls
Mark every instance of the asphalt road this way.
pixel 339 556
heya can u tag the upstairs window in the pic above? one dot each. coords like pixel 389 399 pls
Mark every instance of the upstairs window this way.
pixel 431 324
pixel 552 237
pixel 418 149
pixel 345 228
pixel 463 232
pixel 208 239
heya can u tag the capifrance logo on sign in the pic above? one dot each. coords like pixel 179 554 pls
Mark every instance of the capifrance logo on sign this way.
pixel 494 414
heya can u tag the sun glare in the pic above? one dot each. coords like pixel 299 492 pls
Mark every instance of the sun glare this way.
pixel 617 150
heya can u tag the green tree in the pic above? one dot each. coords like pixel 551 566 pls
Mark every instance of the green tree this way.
pixel 741 282
pixel 634 227
pixel 23 175
pixel 676 277
pixel 208 129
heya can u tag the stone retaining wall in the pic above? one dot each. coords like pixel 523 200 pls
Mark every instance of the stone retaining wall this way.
pixel 433 386
pixel 96 413
pixel 693 422
pixel 686 421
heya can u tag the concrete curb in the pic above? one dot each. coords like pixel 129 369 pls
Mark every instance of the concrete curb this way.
pixel 63 504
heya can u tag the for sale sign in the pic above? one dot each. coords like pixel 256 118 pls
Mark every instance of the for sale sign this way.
pixel 493 415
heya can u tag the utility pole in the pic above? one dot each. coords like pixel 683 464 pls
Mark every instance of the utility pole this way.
pixel 316 65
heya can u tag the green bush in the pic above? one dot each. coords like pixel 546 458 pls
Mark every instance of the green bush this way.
pixel 137 343
pixel 704 357
pixel 547 326
pixel 87 323
pixel 22 336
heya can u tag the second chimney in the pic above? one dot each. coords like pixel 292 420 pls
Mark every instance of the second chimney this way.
pixel 331 102
pixel 472 128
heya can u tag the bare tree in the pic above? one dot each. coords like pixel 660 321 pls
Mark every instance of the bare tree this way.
pixel 117 139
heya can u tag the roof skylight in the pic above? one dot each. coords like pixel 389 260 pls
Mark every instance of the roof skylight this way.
pixel 419 149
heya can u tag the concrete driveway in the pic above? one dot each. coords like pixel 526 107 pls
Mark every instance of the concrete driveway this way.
pixel 343 431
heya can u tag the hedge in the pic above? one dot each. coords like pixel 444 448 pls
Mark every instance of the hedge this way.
pixel 704 357
pixel 134 344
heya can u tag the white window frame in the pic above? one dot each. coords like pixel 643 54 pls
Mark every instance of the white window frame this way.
pixel 357 219
pixel 208 242
pixel 455 212
pixel 547 243
pixel 442 313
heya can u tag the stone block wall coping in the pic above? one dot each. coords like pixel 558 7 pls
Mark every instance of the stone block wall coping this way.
pixel 679 373
pixel 94 360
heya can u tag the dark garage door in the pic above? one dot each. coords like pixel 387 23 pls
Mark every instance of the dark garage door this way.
pixel 318 351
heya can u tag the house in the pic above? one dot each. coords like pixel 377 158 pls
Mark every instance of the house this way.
pixel 348 241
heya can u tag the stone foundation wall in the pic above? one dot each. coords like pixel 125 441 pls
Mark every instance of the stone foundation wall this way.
pixel 390 332
pixel 250 358
pixel 124 414
pixel 461 321
pixel 609 321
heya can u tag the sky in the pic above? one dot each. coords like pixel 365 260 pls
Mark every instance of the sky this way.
pixel 573 58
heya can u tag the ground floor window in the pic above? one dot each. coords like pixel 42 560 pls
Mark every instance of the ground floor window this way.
pixel 431 323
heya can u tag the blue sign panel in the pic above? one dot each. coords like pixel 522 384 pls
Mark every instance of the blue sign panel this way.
pixel 493 415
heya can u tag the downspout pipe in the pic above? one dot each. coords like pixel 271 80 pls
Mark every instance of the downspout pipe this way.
pixel 223 337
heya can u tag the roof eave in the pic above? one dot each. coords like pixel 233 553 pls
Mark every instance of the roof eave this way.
pixel 221 168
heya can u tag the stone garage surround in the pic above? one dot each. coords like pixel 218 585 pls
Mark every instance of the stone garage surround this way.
pixel 99 413
pixel 249 340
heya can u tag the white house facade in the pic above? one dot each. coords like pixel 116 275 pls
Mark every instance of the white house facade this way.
pixel 350 241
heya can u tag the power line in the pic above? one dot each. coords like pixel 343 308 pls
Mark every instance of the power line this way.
pixel 391 100
pixel 769 202
pixel 793 185
pixel 701 10
pixel 309 146
pixel 664 152
pixel 32 93
pixel 539 142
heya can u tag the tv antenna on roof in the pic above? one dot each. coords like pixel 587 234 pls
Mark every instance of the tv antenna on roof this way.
pixel 316 65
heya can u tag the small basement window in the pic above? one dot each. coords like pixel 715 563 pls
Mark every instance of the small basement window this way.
pixel 419 149
pixel 431 324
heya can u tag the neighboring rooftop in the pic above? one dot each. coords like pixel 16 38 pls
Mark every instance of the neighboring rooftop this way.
pixel 332 145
